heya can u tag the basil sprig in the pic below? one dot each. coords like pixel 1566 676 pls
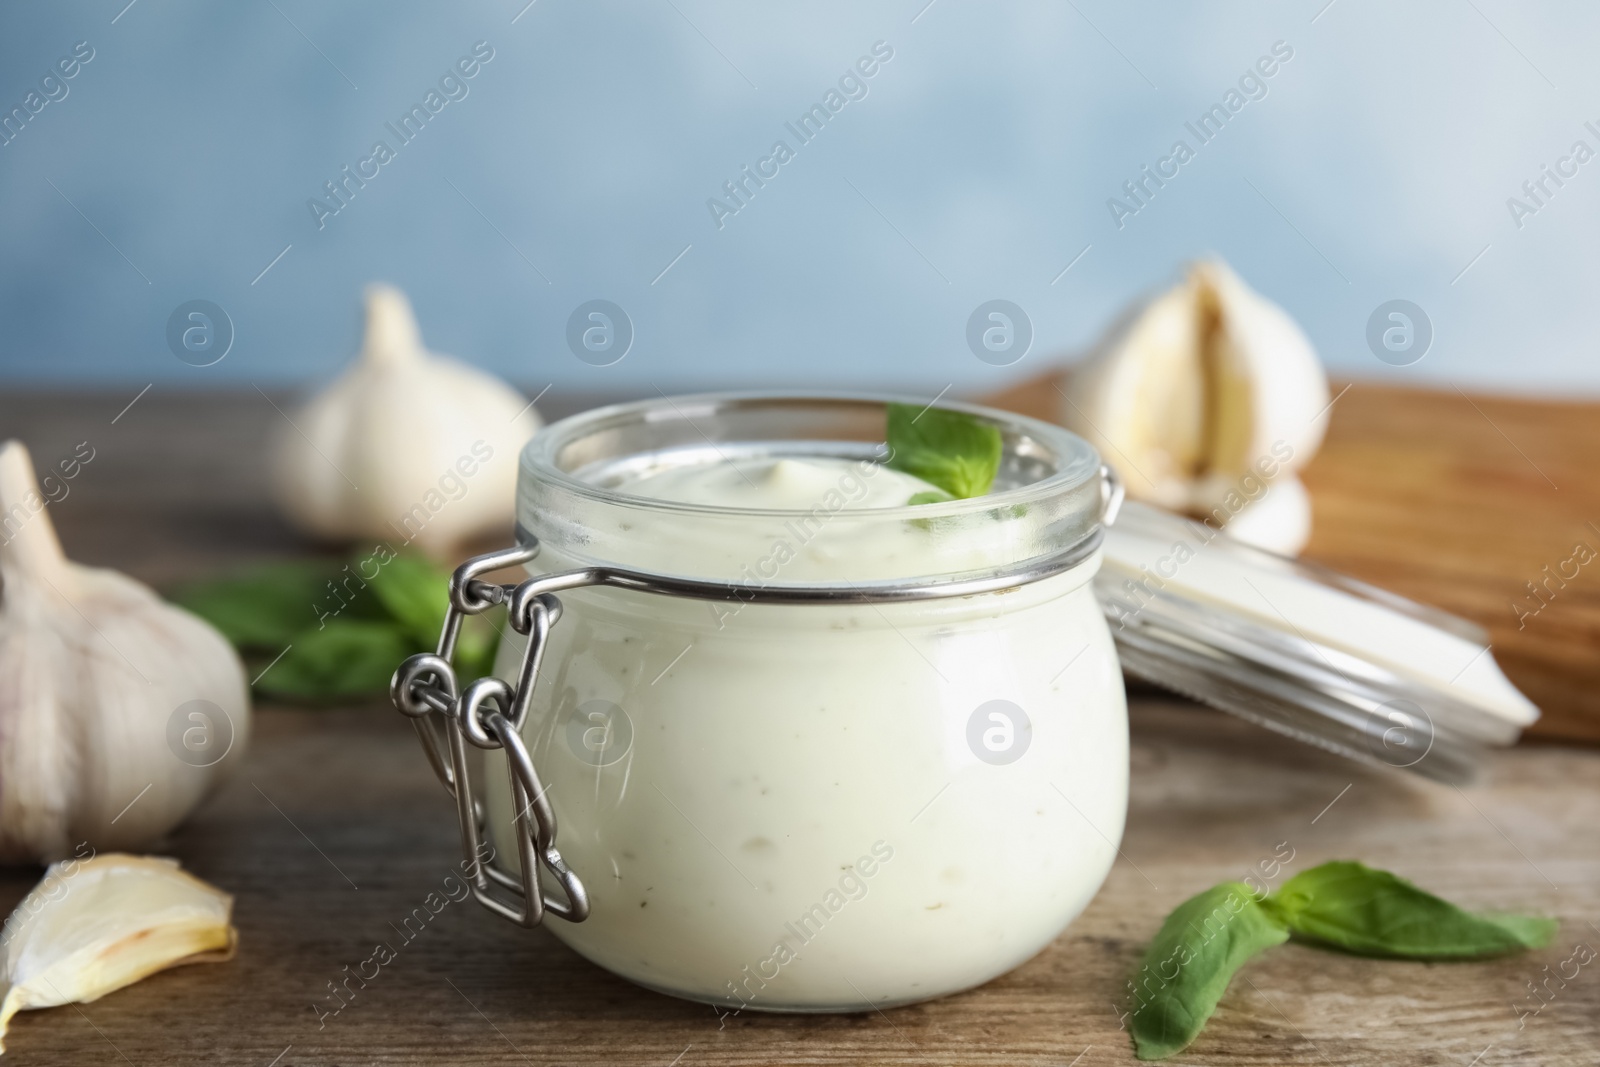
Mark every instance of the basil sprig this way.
pixel 1367 912
pixel 1189 964
pixel 321 631
pixel 951 450
pixel 1342 905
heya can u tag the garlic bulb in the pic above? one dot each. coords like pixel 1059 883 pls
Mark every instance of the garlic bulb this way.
pixel 91 927
pixel 117 710
pixel 1200 399
pixel 408 447
pixel 1279 521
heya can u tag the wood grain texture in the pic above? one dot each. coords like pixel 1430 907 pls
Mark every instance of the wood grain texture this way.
pixel 334 830
pixel 1462 502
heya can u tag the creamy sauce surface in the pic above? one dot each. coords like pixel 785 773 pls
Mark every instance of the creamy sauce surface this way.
pixel 783 483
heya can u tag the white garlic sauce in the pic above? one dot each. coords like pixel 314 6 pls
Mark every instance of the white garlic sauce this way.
pixel 811 807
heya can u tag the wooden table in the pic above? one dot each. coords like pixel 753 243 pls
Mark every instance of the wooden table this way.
pixel 334 829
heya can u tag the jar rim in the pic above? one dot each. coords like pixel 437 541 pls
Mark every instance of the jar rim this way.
pixel 1075 460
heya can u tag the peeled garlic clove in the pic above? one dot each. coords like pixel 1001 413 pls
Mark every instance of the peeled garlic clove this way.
pixel 1278 521
pixel 1199 393
pixel 405 446
pixel 91 927
pixel 117 710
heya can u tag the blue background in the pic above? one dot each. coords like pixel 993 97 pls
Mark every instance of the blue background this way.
pixel 1377 167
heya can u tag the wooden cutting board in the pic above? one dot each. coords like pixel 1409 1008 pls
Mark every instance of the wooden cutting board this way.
pixel 1483 506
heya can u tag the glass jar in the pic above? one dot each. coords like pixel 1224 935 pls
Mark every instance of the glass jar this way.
pixel 901 782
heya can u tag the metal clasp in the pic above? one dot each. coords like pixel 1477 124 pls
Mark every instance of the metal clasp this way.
pixel 490 715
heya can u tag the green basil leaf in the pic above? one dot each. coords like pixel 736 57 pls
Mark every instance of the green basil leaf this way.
pixel 266 606
pixel 1189 964
pixel 1374 913
pixel 415 593
pixel 1534 931
pixel 955 451
pixel 477 645
pixel 345 632
pixel 927 496
pixel 344 658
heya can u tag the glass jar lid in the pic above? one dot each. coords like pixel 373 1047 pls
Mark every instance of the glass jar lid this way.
pixel 1303 650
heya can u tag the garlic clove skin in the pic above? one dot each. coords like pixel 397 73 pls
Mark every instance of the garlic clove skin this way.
pixel 1281 389
pixel 1198 390
pixel 91 927
pixel 94 669
pixel 405 446
pixel 1136 398
pixel 1278 521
